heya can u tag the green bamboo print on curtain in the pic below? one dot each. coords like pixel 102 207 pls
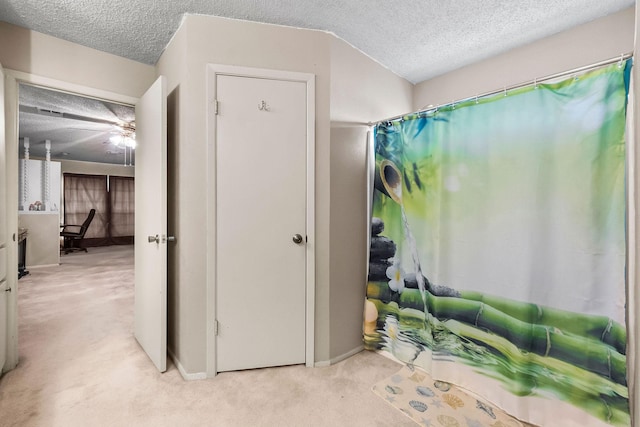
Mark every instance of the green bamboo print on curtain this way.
pixel 497 257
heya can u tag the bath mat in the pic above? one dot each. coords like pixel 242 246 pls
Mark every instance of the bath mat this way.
pixel 439 404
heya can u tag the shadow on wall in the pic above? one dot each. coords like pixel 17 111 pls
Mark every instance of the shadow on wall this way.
pixel 15 51
pixel 349 236
pixel 173 156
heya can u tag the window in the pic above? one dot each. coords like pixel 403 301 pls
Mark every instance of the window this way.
pixel 113 198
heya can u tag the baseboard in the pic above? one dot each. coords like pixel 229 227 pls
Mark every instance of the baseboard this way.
pixel 185 375
pixel 339 358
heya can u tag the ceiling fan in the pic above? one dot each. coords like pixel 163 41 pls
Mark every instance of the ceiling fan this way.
pixel 123 133
pixel 79 128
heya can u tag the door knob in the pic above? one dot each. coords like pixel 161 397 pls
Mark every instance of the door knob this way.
pixel 154 239
pixel 297 239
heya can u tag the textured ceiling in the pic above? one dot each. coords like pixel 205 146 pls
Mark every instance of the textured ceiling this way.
pixel 79 128
pixel 416 39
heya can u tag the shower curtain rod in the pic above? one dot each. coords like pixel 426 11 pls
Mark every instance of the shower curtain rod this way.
pixel 506 89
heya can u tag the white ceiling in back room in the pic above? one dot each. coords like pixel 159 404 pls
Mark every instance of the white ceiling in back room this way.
pixel 79 128
pixel 416 39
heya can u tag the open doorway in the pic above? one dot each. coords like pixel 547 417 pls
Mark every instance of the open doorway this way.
pixel 76 160
pixel 75 154
pixel 150 193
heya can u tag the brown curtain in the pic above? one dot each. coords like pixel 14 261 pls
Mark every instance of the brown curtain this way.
pixel 113 223
pixel 122 202
pixel 81 194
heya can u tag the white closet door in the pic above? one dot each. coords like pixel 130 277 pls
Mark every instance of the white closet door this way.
pixel 261 206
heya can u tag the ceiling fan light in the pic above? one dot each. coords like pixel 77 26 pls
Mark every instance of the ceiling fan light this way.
pixel 116 140
pixel 130 142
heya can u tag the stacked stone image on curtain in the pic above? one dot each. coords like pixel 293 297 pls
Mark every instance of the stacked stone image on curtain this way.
pixel 497 258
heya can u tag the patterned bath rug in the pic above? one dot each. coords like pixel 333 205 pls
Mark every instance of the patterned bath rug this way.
pixel 438 404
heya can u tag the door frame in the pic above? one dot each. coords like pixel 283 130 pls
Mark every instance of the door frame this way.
pixel 12 79
pixel 213 70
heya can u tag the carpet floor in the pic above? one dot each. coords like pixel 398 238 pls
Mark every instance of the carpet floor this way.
pixel 81 366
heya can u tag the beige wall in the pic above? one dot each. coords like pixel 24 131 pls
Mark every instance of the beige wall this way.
pixel 183 62
pixel 226 41
pixel 349 87
pixel 74 66
pixel 43 238
pixel 361 91
pixel 583 45
pixel 203 40
pixel 91 168
pixel 45 60
pixel 43 55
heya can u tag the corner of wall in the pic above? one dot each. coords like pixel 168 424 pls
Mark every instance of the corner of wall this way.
pixel 361 91
pixel 183 372
pixel 582 45
pixel 31 52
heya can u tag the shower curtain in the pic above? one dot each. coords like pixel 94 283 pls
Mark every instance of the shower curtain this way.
pixel 497 255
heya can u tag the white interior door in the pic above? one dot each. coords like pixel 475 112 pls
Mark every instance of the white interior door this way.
pixel 150 309
pixel 260 206
pixel 3 232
